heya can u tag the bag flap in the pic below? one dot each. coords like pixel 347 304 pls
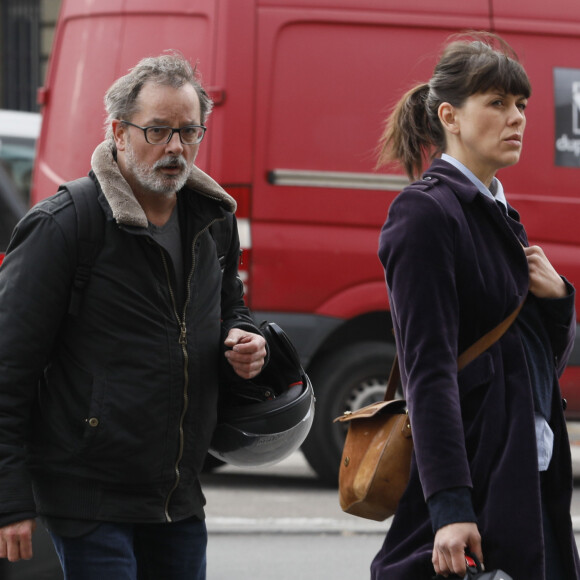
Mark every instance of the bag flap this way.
pixel 396 406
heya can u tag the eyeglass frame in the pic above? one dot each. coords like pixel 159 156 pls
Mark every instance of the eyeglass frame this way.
pixel 173 131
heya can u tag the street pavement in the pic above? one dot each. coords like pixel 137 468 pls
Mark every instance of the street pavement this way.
pixel 283 498
pixel 286 498
pixel 280 523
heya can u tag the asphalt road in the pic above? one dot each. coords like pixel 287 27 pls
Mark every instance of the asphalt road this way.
pixel 280 523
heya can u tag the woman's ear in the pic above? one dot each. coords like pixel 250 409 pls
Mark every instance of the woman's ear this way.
pixel 448 117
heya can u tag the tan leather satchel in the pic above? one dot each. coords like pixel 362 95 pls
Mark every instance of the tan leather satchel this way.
pixel 376 458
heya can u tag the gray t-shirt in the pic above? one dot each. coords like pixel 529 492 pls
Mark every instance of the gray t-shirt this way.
pixel 168 236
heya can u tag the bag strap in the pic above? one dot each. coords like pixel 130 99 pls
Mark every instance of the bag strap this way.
pixel 477 348
pixel 487 340
pixel 90 235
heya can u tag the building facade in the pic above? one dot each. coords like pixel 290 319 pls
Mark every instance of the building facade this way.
pixel 26 33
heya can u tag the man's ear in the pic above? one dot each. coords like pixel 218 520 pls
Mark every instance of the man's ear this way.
pixel 119 134
pixel 448 118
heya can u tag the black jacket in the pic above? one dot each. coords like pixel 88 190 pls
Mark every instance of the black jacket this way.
pixel 121 422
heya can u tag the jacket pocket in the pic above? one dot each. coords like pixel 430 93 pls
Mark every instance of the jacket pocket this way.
pixel 94 415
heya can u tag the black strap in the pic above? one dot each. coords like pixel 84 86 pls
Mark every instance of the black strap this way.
pixel 90 235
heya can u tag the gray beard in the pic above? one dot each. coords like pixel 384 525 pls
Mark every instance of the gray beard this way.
pixel 151 180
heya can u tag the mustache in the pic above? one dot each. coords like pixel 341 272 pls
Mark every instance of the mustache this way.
pixel 170 161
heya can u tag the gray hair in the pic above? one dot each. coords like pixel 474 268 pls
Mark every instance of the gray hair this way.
pixel 170 69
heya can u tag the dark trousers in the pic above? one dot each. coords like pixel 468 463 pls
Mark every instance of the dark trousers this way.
pixel 174 551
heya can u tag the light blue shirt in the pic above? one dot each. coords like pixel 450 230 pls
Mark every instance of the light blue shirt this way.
pixel 495 190
pixel 544 435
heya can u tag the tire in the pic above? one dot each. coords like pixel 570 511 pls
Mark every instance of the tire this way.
pixel 345 380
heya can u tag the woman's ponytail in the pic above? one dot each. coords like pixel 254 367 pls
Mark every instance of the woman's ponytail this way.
pixel 408 137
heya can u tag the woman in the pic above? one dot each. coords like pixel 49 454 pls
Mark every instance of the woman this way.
pixel 491 472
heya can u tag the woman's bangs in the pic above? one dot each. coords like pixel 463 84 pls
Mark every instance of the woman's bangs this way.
pixel 504 74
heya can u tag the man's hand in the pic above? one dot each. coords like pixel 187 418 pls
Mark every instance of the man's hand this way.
pixel 545 282
pixel 449 548
pixel 16 540
pixel 247 352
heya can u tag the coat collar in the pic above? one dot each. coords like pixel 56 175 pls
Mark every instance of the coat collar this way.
pixel 463 188
pixel 125 207
pixel 467 192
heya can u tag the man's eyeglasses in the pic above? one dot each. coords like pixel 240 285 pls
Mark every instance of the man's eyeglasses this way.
pixel 189 135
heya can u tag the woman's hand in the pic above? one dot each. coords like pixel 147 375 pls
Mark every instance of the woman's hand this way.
pixel 545 282
pixel 449 548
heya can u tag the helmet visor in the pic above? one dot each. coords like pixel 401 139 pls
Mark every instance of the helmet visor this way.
pixel 238 447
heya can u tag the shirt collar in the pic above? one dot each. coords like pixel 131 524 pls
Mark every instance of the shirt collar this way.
pixel 495 190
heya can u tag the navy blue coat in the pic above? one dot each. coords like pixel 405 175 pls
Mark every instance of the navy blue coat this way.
pixel 455 269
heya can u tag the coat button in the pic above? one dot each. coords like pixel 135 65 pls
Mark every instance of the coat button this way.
pixel 93 422
pixel 564 404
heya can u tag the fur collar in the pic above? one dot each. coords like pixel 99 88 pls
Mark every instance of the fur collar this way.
pixel 125 207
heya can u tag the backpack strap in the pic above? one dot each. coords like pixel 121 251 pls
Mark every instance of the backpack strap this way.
pixel 90 235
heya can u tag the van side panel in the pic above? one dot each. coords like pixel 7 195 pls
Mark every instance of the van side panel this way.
pixel 410 8
pixel 93 50
pixel 324 87
pixel 231 125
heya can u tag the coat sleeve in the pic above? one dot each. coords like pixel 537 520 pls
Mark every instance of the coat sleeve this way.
pixel 235 313
pixel 417 249
pixel 559 317
pixel 35 279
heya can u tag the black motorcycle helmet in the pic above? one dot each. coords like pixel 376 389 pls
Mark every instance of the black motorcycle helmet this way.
pixel 263 420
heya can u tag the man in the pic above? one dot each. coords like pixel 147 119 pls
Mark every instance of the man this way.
pixel 107 450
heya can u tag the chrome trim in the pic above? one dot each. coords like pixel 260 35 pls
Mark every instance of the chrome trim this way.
pixel 337 179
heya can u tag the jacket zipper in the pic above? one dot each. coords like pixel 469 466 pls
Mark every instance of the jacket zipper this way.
pixel 183 342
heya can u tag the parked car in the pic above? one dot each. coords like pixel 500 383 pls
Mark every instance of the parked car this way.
pixel 11 208
pixel 19 132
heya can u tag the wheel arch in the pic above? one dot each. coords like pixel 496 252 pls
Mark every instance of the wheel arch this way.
pixel 367 327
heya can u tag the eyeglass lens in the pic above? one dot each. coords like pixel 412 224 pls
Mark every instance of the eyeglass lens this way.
pixel 189 135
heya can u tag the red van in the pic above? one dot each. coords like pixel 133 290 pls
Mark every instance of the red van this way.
pixel 301 89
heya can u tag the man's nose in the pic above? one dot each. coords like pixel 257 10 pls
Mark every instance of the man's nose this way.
pixel 174 144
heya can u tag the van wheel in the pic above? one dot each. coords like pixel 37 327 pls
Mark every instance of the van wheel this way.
pixel 345 380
